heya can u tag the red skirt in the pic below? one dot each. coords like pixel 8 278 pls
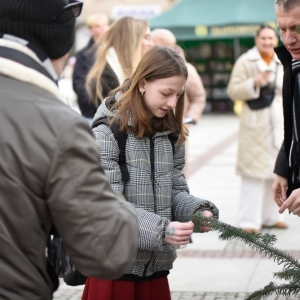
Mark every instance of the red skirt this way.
pixel 97 289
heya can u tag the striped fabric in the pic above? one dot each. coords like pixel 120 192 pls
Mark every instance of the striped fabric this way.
pixel 294 162
pixel 170 201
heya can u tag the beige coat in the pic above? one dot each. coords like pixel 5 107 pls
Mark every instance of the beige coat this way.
pixel 261 131
pixel 195 96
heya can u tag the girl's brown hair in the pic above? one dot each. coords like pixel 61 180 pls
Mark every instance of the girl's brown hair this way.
pixel 132 113
pixel 125 36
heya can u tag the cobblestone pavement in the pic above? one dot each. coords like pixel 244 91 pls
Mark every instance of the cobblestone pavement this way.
pixel 220 296
pixel 233 249
pixel 75 294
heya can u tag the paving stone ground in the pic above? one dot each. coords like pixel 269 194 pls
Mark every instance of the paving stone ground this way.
pixel 75 294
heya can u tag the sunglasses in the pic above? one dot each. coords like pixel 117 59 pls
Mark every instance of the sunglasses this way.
pixel 74 6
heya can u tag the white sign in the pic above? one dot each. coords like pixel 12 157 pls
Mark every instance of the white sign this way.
pixel 136 11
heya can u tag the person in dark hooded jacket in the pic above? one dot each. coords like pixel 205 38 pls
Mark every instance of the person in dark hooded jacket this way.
pixel 49 162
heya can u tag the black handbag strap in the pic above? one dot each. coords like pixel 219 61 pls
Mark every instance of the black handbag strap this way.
pixel 23 59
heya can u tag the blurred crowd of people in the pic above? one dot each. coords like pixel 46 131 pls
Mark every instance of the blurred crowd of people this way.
pixel 108 59
pixel 111 57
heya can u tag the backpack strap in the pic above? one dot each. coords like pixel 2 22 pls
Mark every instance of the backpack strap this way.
pixel 25 60
pixel 173 139
pixel 121 138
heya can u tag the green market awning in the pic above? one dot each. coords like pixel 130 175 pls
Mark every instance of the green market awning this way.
pixel 215 19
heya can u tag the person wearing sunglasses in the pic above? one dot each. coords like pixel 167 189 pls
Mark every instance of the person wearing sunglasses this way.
pixel 74 6
pixel 49 161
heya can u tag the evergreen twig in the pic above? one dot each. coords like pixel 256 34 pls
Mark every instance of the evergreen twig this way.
pixel 288 274
pixel 263 243
pixel 283 289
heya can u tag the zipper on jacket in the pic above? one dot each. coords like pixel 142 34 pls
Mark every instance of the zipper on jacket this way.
pixel 152 180
pixel 152 169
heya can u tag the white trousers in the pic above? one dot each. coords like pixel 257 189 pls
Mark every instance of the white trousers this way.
pixel 256 206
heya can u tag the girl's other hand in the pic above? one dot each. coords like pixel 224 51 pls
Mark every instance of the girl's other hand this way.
pixel 179 233
pixel 208 214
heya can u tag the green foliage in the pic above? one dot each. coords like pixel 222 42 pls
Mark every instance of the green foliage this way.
pixel 297 28
pixel 283 289
pixel 263 243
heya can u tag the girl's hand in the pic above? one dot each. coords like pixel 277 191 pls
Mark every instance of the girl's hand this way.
pixel 207 214
pixel 179 233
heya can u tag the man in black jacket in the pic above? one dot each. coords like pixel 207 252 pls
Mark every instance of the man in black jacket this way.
pixel 97 25
pixel 286 186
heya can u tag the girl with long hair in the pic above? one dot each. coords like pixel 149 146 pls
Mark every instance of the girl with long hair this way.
pixel 120 49
pixel 149 109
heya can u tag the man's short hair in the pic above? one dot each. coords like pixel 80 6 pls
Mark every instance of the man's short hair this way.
pixel 287 5
pixel 162 36
pixel 93 19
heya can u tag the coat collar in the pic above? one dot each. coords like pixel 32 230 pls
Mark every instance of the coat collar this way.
pixel 284 55
pixel 253 54
pixel 20 72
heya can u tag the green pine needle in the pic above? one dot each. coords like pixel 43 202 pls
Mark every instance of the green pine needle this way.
pixel 288 274
pixel 283 289
pixel 263 243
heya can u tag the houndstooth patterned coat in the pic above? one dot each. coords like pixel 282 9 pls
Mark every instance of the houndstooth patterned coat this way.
pixel 159 197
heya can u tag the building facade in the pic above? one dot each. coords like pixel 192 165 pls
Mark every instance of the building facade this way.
pixel 143 9
pixel 107 6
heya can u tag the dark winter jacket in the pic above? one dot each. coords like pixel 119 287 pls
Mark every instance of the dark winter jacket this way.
pixel 157 188
pixel 51 175
pixel 84 61
pixel 281 166
pixel 109 82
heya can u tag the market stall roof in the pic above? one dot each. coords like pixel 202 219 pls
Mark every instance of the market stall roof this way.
pixel 194 19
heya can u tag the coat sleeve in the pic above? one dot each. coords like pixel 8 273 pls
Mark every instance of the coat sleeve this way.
pixel 195 94
pixel 151 226
pixel 98 227
pixel 241 83
pixel 281 164
pixel 184 204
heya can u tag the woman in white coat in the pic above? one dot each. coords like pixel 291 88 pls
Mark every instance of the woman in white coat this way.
pixel 261 130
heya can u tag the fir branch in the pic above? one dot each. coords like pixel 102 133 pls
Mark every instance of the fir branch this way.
pixel 262 243
pixel 283 289
pixel 288 274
